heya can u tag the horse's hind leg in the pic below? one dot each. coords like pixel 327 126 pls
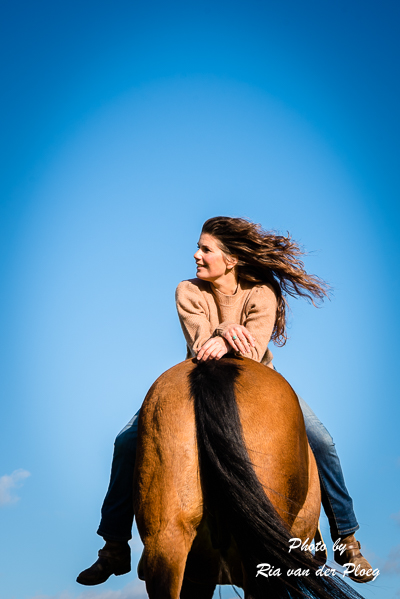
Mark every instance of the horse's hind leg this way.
pixel 164 561
pixel 194 590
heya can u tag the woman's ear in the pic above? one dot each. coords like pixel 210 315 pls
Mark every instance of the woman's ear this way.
pixel 231 261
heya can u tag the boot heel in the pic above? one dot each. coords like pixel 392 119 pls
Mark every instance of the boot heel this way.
pixel 112 560
pixel 120 571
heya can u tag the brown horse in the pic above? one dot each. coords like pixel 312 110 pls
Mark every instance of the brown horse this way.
pixel 224 478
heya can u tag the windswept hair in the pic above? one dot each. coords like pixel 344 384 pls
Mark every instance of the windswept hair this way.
pixel 267 258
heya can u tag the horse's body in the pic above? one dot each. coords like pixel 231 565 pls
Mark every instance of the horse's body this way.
pixel 195 535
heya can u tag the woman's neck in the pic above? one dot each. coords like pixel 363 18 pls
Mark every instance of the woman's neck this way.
pixel 227 284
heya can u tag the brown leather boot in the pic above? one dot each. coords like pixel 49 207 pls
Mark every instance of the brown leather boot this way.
pixel 114 558
pixel 362 571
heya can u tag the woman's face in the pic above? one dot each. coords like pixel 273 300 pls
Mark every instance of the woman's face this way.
pixel 210 260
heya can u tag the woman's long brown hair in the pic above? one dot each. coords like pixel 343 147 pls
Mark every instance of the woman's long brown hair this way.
pixel 265 257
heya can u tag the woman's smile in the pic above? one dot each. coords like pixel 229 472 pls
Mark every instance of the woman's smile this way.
pixel 210 259
pixel 214 265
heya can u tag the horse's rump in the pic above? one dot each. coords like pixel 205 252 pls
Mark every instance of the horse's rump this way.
pixel 245 501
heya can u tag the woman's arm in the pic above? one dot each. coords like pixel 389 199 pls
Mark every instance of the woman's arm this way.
pixel 260 312
pixel 254 336
pixel 193 315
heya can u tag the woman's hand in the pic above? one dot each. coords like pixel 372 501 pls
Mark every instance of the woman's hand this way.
pixel 213 349
pixel 239 338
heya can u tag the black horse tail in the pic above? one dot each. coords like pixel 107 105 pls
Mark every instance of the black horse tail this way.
pixel 236 498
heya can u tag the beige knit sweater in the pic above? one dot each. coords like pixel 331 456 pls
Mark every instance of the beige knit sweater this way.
pixel 204 312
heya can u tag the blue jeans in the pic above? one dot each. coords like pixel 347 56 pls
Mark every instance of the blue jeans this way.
pixel 117 511
pixel 336 501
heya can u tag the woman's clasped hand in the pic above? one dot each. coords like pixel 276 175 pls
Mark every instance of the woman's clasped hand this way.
pixel 235 337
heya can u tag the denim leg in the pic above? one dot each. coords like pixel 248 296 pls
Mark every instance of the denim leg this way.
pixel 336 500
pixel 117 510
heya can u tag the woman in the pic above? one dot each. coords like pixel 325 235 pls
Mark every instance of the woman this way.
pixel 236 304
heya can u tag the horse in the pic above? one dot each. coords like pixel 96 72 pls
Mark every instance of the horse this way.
pixel 224 479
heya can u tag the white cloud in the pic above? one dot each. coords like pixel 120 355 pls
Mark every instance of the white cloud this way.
pixel 8 483
pixel 133 590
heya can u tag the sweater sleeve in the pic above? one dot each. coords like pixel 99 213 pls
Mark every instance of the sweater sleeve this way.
pixel 193 315
pixel 259 319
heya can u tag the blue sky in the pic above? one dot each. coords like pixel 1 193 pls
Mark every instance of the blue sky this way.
pixel 124 126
